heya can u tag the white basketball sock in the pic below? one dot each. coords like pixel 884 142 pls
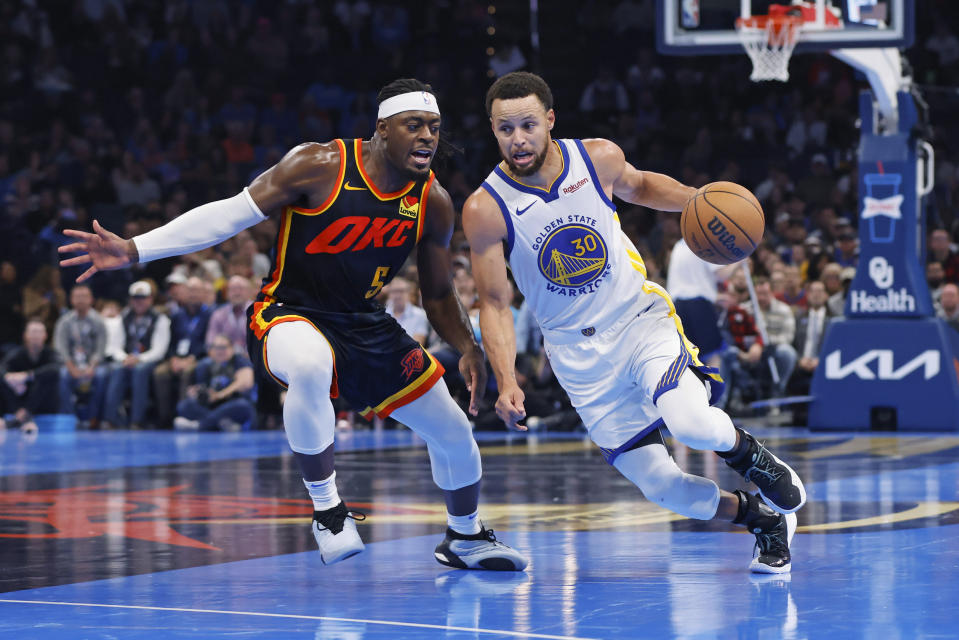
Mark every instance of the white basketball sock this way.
pixel 323 493
pixel 467 525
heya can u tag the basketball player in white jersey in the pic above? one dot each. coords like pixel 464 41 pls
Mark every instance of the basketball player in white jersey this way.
pixel 613 338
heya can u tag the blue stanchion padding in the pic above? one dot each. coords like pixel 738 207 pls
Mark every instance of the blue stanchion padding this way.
pixel 895 373
pixel 890 280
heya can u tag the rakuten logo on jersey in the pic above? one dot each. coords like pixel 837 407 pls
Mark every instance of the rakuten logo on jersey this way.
pixel 575 187
pixel 862 367
pixel 359 232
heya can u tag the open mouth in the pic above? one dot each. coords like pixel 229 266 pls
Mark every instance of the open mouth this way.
pixel 523 158
pixel 422 157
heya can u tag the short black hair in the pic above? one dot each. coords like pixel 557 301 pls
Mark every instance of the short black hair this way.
pixel 519 84
pixel 401 86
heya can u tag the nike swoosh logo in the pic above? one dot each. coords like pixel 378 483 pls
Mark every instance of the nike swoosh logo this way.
pixel 350 187
pixel 520 212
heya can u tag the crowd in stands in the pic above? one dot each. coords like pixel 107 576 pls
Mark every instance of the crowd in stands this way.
pixel 132 112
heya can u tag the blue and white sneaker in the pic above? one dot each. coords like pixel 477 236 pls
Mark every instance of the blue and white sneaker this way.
pixel 773 531
pixel 478 551
pixel 336 535
pixel 778 484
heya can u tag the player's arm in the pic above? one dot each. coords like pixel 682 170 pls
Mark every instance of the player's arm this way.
pixel 485 230
pixel 645 188
pixel 443 308
pixel 210 223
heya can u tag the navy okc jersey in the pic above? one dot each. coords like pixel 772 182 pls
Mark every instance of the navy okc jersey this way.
pixel 339 255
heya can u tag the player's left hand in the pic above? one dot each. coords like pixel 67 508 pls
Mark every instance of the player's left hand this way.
pixel 473 369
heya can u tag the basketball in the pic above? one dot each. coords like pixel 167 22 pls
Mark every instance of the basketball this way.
pixel 723 223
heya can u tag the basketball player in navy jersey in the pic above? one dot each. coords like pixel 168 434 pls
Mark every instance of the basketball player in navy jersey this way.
pixel 613 338
pixel 351 212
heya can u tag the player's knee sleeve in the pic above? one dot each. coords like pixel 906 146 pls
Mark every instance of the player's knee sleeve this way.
pixel 691 420
pixel 662 482
pixel 297 354
pixel 435 417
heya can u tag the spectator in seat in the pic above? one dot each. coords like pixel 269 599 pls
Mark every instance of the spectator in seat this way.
pixel 222 395
pixel 811 324
pixel 948 308
pixel 145 340
pixel 229 319
pixel 29 375
pixel 742 354
pixel 400 305
pixel 188 330
pixel 80 337
pixel 780 332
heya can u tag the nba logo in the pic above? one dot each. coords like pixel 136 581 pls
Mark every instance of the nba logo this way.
pixel 690 19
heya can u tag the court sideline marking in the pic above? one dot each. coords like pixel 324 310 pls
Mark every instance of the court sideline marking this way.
pixel 517 634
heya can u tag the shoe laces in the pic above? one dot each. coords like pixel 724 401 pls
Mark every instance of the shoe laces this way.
pixel 763 465
pixel 484 534
pixel 773 542
pixel 334 518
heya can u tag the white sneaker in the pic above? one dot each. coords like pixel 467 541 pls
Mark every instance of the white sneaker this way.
pixel 478 551
pixel 335 533
pixel 185 424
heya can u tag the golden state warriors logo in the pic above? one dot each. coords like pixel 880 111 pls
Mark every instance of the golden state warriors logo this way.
pixel 573 255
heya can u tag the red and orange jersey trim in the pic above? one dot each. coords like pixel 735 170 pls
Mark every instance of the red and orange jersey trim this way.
pixel 423 199
pixel 358 152
pixel 260 329
pixel 336 187
pixel 283 238
pixel 409 393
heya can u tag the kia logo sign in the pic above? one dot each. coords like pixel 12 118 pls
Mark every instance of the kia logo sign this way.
pixel 928 361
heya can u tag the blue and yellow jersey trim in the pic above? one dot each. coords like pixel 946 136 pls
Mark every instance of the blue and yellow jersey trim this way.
pixel 549 193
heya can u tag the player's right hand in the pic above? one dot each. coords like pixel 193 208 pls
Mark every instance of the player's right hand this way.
pixel 106 250
pixel 510 408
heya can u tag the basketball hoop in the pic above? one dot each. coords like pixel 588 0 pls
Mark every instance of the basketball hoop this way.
pixel 769 41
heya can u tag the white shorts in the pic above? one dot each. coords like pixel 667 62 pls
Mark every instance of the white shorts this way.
pixel 615 377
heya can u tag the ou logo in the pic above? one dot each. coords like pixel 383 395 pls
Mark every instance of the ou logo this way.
pixel 881 272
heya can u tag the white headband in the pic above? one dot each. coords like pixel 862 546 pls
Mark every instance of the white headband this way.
pixel 412 101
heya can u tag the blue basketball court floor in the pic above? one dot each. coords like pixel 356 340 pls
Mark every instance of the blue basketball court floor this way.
pixel 169 535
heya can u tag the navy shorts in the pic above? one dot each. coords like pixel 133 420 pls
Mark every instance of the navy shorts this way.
pixel 377 366
pixel 700 324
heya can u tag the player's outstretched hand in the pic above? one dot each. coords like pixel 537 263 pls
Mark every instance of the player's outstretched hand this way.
pixel 473 369
pixel 510 407
pixel 106 250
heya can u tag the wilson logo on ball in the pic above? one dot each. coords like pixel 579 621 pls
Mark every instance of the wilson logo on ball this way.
pixel 724 238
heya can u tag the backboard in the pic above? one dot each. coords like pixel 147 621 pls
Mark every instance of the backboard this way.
pixel 697 27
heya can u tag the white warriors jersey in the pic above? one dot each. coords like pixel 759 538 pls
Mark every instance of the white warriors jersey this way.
pixel 569 256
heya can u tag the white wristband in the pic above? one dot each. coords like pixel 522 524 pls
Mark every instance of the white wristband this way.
pixel 199 228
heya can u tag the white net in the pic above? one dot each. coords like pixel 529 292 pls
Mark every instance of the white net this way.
pixel 769 42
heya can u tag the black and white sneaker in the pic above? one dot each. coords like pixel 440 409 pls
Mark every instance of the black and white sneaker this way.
pixel 773 531
pixel 778 484
pixel 335 533
pixel 478 551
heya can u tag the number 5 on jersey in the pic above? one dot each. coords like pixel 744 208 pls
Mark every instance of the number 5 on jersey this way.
pixel 379 279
